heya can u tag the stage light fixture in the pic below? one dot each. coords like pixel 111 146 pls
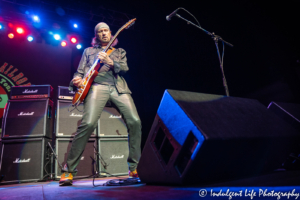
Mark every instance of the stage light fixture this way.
pixel 1 26
pixel 11 35
pixel 78 46
pixel 36 18
pixel 56 37
pixel 20 30
pixel 73 40
pixel 75 25
pixel 63 43
pixel 30 38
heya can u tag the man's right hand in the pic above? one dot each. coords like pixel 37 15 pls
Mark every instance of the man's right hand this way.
pixel 77 81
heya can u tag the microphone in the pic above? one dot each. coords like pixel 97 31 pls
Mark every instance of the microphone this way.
pixel 172 14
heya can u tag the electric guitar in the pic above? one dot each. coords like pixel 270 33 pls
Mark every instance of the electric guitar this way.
pixel 90 76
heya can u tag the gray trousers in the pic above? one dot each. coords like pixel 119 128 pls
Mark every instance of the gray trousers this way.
pixel 93 106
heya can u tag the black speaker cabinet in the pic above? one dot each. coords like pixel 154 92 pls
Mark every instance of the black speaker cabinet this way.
pixel 85 167
pixel 289 112
pixel 67 122
pixel 202 138
pixel 24 160
pixel 113 156
pixel 111 124
pixel 28 118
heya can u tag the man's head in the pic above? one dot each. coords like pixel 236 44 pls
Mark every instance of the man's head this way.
pixel 103 33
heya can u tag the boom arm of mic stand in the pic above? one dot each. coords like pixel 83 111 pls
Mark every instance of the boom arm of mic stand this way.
pixel 216 38
pixel 207 32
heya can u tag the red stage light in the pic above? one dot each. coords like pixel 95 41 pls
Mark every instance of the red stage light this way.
pixel 63 43
pixel 11 35
pixel 10 25
pixel 73 40
pixel 20 30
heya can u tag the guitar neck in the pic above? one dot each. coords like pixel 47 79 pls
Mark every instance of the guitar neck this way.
pixel 111 41
pixel 127 25
pixel 106 49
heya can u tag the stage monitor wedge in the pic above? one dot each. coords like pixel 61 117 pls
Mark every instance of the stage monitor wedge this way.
pixel 202 138
pixel 289 112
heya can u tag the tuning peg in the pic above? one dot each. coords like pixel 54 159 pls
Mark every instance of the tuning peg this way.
pixel 130 25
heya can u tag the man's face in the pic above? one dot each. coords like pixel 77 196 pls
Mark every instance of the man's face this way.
pixel 104 35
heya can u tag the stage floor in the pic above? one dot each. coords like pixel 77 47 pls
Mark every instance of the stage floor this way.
pixel 267 186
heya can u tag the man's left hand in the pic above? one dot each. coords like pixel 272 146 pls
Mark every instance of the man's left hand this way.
pixel 105 58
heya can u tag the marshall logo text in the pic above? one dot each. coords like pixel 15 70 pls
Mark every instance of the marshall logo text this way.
pixel 30 91
pixel 116 157
pixel 115 116
pixel 25 114
pixel 75 115
pixel 18 160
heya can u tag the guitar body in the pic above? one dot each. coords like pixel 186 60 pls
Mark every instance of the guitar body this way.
pixel 90 76
pixel 83 90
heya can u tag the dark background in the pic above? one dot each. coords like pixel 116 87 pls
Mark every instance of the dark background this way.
pixel 263 64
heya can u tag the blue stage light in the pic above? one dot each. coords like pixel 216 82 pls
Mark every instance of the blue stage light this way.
pixel 1 26
pixel 36 18
pixel 29 38
pixel 78 46
pixel 75 26
pixel 56 36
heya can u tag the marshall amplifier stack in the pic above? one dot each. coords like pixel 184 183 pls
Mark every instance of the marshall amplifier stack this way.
pixel 67 120
pixel 27 127
pixel 109 138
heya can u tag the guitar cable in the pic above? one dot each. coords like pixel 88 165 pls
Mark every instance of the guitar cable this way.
pixel 74 107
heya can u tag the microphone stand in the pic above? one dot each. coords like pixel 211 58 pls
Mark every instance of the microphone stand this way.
pixel 216 38
pixel 53 152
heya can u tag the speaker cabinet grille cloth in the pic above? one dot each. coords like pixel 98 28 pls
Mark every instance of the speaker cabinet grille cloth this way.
pixel 24 160
pixel 114 154
pixel 201 138
pixel 67 122
pixel 111 123
pixel 85 167
pixel 28 118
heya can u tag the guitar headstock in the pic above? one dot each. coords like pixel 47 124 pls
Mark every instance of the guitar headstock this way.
pixel 131 24
pixel 128 24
